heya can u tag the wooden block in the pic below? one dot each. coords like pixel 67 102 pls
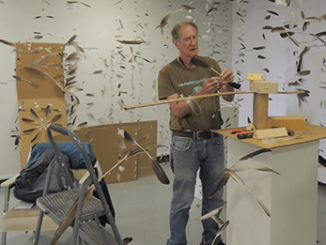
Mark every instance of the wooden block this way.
pixel 263 87
pixel 260 111
pixel 255 77
pixel 270 133
pixel 290 123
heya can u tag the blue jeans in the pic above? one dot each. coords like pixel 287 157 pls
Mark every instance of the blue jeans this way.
pixel 187 156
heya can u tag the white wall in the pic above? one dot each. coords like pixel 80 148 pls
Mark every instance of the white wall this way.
pixel 281 57
pixel 98 28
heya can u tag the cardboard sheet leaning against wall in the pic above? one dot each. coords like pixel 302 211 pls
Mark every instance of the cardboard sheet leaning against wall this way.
pixel 109 147
pixel 41 102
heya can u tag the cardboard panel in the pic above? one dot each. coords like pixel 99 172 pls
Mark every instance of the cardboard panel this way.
pixel 106 144
pixel 39 63
pixel 35 131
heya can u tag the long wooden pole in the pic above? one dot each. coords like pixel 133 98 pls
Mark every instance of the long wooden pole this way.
pixel 199 96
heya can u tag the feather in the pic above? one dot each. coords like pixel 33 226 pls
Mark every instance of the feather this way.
pixel 164 21
pixel 267 169
pixel 312 19
pixel 131 42
pixel 35 115
pixel 292 20
pixel 302 96
pixel 35 72
pixel 48 111
pixel 35 137
pixel 267 17
pixel 82 124
pixel 235 176
pixel 221 230
pixel 72 56
pixel 28 120
pixel 98 72
pixel 259 48
pixel 267 28
pixel 55 118
pixel 279 29
pixel 155 165
pixel 195 107
pixel 320 34
pixel 211 214
pixel 303 73
pixel 30 130
pixel 7 43
pixel 251 155
pixel 272 12
pixel 222 182
pixel 280 2
pixel 72 39
pixel 300 58
pixel 80 49
pixel 24 80
pixel 127 240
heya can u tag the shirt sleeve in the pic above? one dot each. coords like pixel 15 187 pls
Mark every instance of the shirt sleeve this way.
pixel 165 86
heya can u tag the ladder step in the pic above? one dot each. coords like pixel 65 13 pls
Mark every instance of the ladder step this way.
pixel 96 234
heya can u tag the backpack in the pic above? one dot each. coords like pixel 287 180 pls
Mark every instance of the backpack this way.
pixel 29 185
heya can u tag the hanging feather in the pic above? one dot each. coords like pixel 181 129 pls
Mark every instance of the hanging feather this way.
pixel 7 43
pixel 300 58
pixel 28 120
pixel 195 107
pixel 222 182
pixel 30 130
pixel 252 154
pixel 72 56
pixel 211 214
pixel 35 137
pixel 72 39
pixel 302 96
pixel 35 115
pixel 272 12
pixel 127 240
pixel 155 165
pixel 303 73
pixel 131 42
pixel 82 124
pixel 55 118
pixel 164 21
pixel 36 85
pixel 259 48
pixel 221 230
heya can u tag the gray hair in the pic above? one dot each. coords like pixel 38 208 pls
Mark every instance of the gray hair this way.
pixel 176 29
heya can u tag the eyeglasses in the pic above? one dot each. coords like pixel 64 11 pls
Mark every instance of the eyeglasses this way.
pixel 188 40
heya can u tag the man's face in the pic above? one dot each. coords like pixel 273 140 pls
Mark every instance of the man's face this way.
pixel 188 41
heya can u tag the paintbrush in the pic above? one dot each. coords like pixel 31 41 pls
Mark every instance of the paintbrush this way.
pixel 197 62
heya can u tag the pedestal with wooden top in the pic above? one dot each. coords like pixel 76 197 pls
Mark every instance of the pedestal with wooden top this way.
pixel 291 197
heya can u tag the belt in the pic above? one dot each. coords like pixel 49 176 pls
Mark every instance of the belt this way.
pixel 195 135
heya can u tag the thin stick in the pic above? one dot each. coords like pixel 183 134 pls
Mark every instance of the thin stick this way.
pixel 197 97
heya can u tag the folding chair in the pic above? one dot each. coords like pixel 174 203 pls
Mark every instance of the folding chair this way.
pixel 86 224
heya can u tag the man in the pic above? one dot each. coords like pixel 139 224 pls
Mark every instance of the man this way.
pixel 193 145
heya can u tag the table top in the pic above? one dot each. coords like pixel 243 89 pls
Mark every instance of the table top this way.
pixel 313 133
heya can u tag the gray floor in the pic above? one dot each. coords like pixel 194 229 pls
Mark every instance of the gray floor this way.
pixel 142 209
